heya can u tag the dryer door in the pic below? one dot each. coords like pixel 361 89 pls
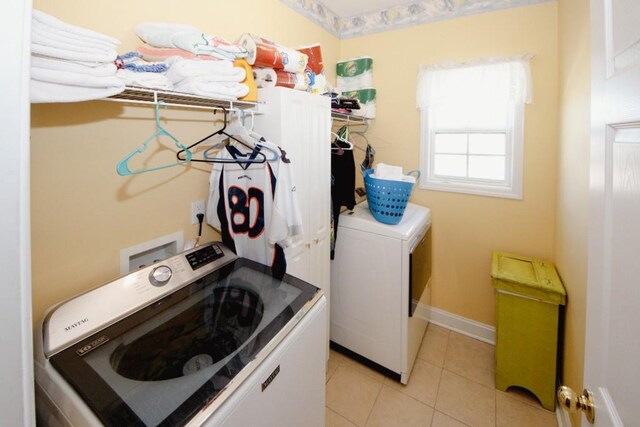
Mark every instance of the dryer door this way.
pixel 420 273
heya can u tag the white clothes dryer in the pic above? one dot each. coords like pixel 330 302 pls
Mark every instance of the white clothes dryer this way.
pixel 380 288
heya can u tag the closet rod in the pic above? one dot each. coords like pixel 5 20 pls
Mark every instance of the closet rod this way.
pixel 349 119
pixel 168 104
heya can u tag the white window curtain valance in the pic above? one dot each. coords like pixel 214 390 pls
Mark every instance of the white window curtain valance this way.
pixel 490 81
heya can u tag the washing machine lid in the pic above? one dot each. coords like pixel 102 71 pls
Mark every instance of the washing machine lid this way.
pixel 188 351
pixel 416 220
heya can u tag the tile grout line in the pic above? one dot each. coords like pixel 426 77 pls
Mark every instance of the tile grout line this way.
pixel 373 406
pixel 437 393
pixel 453 373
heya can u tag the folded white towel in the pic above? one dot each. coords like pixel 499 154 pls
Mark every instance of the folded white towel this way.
pixel 199 44
pixel 214 71
pixel 188 38
pixel 95 69
pixel 159 34
pixel 53 22
pixel 41 92
pixel 391 173
pixel 66 37
pixel 72 55
pixel 145 79
pixel 40 39
pixel 73 79
pixel 228 91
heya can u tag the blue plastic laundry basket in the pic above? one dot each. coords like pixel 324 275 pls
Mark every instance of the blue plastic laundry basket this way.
pixel 387 199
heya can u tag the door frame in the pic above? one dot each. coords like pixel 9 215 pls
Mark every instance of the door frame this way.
pixel 17 391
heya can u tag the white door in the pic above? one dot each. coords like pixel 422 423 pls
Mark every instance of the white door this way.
pixel 295 132
pixel 612 370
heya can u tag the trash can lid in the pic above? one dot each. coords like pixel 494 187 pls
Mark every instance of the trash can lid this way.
pixel 527 277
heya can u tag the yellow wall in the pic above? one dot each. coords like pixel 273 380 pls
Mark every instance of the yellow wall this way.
pixel 466 229
pixel 82 212
pixel 572 215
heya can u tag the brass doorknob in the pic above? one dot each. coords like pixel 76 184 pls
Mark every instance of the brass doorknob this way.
pixel 571 402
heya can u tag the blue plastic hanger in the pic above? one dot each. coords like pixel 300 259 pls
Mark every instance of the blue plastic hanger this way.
pixel 123 165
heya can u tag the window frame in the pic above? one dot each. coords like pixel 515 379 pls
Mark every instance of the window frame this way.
pixel 514 157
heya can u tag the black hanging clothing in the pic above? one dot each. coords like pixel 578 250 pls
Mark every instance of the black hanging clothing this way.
pixel 343 181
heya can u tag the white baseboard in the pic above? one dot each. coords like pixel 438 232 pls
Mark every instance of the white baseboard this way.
pixel 562 417
pixel 477 330
pixel 471 328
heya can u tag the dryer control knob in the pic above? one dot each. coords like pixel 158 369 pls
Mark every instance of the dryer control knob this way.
pixel 160 275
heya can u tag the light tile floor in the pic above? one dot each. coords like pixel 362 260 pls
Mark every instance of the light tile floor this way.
pixel 452 384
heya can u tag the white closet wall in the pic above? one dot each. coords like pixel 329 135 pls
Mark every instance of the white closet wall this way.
pixel 300 123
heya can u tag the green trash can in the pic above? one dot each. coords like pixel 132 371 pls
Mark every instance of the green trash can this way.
pixel 528 298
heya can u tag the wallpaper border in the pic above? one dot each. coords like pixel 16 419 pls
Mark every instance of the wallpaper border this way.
pixel 397 17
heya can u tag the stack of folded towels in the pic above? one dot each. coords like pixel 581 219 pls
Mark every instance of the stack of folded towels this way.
pixel 135 71
pixel 70 63
pixel 215 79
pixel 198 63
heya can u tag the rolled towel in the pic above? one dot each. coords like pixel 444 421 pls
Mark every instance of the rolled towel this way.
pixel 219 90
pixel 145 79
pixel 219 71
pixel 41 92
pixel 57 24
pixel 96 69
pixel 73 79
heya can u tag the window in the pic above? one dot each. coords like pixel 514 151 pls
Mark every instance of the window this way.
pixel 472 126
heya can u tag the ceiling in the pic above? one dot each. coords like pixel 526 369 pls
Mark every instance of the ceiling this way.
pixel 356 18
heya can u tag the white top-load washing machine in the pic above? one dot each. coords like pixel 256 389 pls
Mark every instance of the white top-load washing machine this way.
pixel 380 288
pixel 202 338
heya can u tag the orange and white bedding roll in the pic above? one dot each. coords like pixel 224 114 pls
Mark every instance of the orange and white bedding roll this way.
pixel 268 77
pixel 265 53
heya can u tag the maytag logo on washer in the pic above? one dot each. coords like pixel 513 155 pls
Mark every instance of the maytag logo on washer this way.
pixel 268 381
pixel 75 325
pixel 92 345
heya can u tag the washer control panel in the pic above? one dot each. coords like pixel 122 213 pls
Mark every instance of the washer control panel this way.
pixel 87 313
pixel 204 256
pixel 160 275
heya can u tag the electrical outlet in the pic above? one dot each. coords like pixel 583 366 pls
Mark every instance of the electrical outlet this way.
pixel 196 208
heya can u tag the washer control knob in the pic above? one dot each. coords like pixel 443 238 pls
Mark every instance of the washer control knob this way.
pixel 160 275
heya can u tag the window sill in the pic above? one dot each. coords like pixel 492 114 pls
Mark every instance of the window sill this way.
pixel 501 192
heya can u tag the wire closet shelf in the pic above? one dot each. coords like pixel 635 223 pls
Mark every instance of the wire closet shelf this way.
pixel 146 96
pixel 138 95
